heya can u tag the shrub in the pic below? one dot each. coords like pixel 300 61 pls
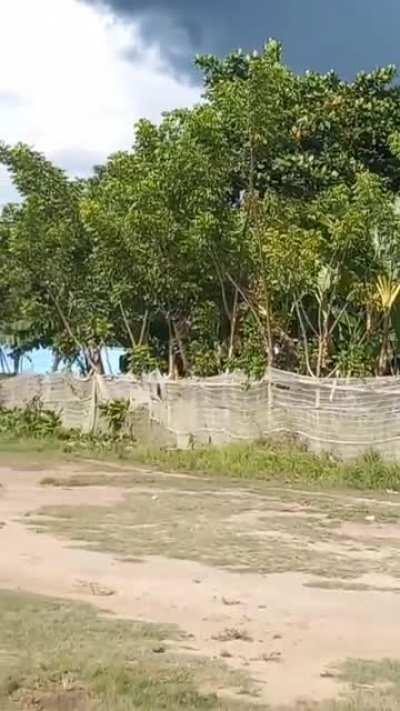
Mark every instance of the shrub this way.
pixel 115 413
pixel 31 421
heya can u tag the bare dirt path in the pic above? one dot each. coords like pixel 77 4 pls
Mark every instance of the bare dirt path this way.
pixel 292 632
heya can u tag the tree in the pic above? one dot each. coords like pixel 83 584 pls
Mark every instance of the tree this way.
pixel 161 217
pixel 258 228
pixel 48 254
pixel 326 130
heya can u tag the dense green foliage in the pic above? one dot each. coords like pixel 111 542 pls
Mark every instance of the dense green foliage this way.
pixel 259 227
pixel 32 421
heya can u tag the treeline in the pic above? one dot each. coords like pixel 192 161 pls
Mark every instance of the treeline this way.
pixel 260 227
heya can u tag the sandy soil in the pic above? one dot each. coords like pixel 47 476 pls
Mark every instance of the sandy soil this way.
pixel 296 631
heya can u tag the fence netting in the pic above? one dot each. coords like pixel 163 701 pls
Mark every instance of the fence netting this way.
pixel 344 416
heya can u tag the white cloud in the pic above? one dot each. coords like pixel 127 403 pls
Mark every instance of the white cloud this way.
pixel 67 86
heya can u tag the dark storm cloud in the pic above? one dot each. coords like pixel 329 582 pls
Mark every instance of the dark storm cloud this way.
pixel 347 35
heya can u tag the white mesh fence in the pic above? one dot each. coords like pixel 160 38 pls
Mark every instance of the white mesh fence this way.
pixel 346 417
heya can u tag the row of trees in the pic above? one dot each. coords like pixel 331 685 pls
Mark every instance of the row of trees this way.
pixel 259 227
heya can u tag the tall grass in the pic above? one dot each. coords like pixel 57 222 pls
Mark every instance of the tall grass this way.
pixel 285 462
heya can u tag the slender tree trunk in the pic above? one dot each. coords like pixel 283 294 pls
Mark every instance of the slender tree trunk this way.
pixel 171 355
pixel 368 321
pixel 143 330
pixel 127 325
pixel 384 354
pixel 56 361
pixel 323 348
pixel 91 365
pixel 304 337
pixel 253 310
pixel 95 360
pixel 323 337
pixel 16 362
pixel 233 324
pixel 181 347
pixel 223 291
pixel 4 362
pixel 269 332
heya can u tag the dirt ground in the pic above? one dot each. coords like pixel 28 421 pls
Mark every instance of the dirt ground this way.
pixel 282 585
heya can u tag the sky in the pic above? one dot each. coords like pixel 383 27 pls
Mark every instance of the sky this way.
pixel 75 75
pixel 73 80
pixel 322 34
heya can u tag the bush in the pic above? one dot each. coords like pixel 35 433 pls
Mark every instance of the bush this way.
pixel 116 414
pixel 142 360
pixel 31 421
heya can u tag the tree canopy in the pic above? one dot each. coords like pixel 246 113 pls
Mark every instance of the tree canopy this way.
pixel 259 227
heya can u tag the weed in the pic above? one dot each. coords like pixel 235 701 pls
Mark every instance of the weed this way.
pixel 31 421
pixel 272 657
pixel 228 602
pixel 231 634
pixel 115 413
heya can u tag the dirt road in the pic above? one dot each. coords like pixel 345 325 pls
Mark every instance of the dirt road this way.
pixel 276 626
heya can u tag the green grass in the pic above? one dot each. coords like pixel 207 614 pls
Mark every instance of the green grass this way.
pixel 247 526
pixel 26 452
pixel 374 686
pixel 56 656
pixel 277 461
pixel 369 686
pixel 284 461
pixel 60 656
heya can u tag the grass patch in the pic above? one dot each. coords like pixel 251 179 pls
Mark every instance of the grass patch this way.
pixel 371 686
pixel 225 523
pixel 231 634
pixel 367 672
pixel 57 656
pixel 286 462
pixel 283 461
pixel 26 452
pixel 375 686
pixel 349 586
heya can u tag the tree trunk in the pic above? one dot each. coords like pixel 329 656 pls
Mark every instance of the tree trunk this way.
pixel 143 330
pixel 304 337
pixel 95 361
pixel 182 350
pixel 56 361
pixel 384 354
pixel 171 354
pixel 322 352
pixel 127 325
pixel 368 321
pixel 270 345
pixel 16 358
pixel 4 362
pixel 233 324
